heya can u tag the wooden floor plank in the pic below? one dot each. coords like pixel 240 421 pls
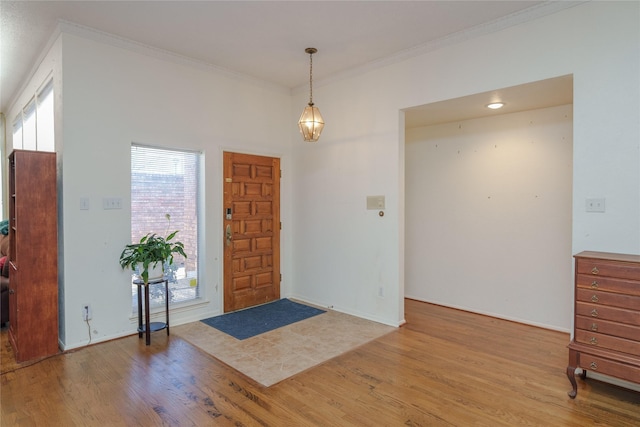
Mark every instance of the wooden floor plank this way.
pixel 445 367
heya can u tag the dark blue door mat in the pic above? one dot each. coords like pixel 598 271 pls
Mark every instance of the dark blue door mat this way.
pixel 254 321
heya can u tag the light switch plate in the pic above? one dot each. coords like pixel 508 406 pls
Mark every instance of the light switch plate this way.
pixel 84 203
pixel 112 203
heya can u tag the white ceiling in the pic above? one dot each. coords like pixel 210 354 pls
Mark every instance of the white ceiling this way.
pixel 530 96
pixel 260 39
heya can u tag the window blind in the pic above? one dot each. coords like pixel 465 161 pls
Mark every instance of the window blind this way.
pixel 165 183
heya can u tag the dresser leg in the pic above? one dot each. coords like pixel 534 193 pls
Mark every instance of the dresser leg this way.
pixel 571 374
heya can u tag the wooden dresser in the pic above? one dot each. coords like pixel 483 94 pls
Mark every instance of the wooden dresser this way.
pixel 606 334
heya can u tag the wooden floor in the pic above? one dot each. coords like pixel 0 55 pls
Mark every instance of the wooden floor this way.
pixel 445 367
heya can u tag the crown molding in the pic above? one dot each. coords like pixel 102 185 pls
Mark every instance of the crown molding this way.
pixel 523 16
pixel 526 15
pixel 25 81
pixel 83 31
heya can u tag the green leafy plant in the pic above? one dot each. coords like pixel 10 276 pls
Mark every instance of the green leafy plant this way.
pixel 151 249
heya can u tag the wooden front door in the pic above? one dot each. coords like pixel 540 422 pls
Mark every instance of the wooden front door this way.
pixel 251 230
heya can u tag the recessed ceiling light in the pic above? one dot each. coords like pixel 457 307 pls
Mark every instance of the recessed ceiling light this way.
pixel 495 105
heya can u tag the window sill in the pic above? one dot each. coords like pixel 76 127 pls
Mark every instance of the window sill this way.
pixel 173 309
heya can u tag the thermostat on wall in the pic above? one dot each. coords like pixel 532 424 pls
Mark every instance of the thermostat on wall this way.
pixel 375 202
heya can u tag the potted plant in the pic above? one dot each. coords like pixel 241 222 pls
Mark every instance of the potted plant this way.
pixel 152 251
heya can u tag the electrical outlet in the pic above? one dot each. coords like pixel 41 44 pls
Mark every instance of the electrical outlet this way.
pixel 86 312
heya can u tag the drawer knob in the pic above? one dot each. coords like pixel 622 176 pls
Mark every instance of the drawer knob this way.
pixel 595 270
pixel 594 313
pixel 594 284
pixel 594 298
pixel 594 341
pixel 594 326
pixel 593 365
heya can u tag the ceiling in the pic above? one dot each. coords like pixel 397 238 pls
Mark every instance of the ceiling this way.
pixel 541 94
pixel 260 39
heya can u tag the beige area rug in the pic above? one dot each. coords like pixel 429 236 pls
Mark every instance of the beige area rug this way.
pixel 273 356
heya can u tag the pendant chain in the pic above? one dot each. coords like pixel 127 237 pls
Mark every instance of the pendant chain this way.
pixel 311 79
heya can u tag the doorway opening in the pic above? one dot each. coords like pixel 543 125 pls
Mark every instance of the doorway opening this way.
pixel 488 203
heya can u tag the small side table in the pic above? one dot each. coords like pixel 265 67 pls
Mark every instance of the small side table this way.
pixel 149 327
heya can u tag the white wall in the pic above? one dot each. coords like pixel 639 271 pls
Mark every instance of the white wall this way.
pixel 113 96
pixel 488 215
pixel 344 253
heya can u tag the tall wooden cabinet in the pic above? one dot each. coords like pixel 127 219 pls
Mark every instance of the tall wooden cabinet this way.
pixel 606 334
pixel 33 254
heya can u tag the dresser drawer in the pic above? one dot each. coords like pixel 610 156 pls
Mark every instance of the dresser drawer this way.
pixel 608 298
pixel 605 268
pixel 596 339
pixel 606 327
pixel 630 317
pixel 608 284
pixel 606 334
pixel 609 367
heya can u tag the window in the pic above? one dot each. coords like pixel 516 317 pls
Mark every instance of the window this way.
pixel 17 132
pixel 29 126
pixel 44 122
pixel 33 127
pixel 166 182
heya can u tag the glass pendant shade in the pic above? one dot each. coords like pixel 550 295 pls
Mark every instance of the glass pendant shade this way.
pixel 311 123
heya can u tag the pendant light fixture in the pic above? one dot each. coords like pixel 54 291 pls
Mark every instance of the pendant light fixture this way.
pixel 311 121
